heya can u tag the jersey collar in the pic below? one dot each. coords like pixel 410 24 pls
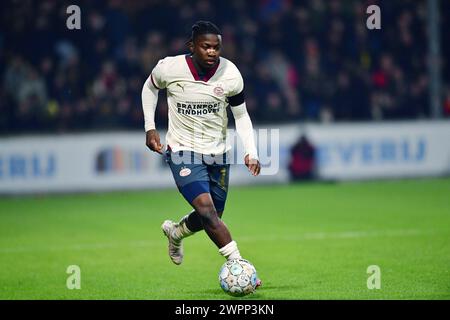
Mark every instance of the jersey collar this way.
pixel 194 72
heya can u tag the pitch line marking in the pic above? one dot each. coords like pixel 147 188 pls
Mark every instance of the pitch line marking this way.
pixel 155 243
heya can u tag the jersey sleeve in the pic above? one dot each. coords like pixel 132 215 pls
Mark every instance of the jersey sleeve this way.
pixel 159 76
pixel 238 83
pixel 236 94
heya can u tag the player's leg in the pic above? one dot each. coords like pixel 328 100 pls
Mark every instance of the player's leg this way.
pixel 176 232
pixel 215 227
pixel 206 213
pixel 211 222
pixel 193 222
pixel 189 224
pixel 191 179
pixel 218 183
pixel 205 216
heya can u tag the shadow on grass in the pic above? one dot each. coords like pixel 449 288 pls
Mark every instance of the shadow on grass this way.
pixel 266 292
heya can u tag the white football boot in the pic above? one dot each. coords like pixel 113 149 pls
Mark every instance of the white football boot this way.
pixel 175 246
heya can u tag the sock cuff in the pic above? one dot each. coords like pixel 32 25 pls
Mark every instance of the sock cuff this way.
pixel 228 249
pixel 184 227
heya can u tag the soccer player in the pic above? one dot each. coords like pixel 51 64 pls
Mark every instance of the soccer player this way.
pixel 200 86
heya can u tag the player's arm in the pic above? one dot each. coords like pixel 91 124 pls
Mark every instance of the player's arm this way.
pixel 244 129
pixel 149 102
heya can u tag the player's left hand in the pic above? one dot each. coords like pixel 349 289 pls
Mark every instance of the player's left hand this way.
pixel 253 165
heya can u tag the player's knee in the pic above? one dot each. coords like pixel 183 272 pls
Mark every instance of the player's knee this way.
pixel 207 212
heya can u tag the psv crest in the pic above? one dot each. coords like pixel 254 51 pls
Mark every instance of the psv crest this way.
pixel 218 91
pixel 184 172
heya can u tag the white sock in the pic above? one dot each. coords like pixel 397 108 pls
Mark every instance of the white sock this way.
pixel 181 230
pixel 230 251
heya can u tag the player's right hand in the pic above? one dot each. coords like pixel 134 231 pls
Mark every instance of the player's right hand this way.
pixel 153 142
pixel 253 165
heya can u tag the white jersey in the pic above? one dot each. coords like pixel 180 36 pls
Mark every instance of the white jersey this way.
pixel 197 106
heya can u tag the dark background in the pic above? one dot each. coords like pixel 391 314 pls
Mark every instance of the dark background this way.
pixel 301 60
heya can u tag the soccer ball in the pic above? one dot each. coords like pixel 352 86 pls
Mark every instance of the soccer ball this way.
pixel 238 277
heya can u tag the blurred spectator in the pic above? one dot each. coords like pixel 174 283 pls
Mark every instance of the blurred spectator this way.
pixel 32 87
pixel 303 158
pixel 447 103
pixel 312 60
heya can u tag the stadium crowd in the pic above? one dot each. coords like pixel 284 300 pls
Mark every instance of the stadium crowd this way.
pixel 301 60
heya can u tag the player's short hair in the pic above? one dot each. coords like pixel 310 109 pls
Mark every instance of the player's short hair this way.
pixel 204 27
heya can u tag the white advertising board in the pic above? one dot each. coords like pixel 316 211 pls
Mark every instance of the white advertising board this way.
pixel 120 160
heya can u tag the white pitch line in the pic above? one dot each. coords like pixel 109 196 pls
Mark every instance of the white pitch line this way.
pixel 162 242
pixel 338 235
pixel 85 246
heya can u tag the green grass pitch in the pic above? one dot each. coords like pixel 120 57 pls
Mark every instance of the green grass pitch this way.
pixel 307 241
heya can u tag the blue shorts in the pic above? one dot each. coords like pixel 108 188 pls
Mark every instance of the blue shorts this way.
pixel 196 173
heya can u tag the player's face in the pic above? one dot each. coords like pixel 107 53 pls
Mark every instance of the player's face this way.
pixel 206 50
